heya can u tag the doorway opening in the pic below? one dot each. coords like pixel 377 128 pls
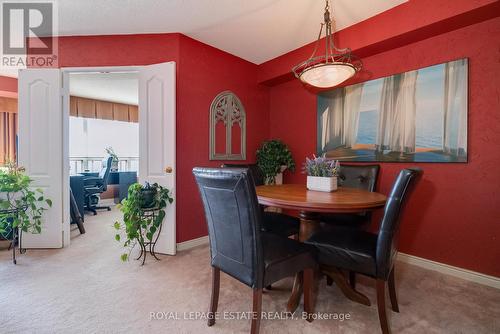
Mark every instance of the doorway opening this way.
pixel 44 139
pixel 103 146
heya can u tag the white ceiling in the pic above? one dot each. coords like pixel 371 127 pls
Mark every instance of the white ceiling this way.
pixel 113 87
pixel 255 30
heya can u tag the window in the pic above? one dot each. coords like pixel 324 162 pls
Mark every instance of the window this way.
pixel 90 137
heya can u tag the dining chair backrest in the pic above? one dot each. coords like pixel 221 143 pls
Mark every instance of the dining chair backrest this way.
pixel 387 237
pixel 258 176
pixel 233 218
pixel 359 176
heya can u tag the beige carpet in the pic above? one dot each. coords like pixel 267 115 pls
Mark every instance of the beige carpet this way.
pixel 87 289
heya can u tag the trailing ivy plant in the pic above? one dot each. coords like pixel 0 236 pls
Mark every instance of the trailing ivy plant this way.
pixel 271 156
pixel 136 228
pixel 20 206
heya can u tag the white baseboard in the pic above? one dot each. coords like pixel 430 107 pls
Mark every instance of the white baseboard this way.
pixel 465 274
pixel 181 246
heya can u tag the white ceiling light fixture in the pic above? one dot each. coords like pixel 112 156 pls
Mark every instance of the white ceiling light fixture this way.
pixel 331 68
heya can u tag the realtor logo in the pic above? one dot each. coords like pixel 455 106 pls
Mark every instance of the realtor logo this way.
pixel 28 30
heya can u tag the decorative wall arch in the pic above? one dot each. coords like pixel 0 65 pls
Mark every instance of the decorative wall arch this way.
pixel 227 109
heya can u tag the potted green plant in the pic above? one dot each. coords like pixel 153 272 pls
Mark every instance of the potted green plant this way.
pixel 20 206
pixel 273 157
pixel 137 227
pixel 114 162
pixel 321 174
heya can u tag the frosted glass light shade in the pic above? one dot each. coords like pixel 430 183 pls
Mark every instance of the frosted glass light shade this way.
pixel 327 75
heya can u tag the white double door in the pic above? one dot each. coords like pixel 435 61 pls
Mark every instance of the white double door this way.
pixel 43 143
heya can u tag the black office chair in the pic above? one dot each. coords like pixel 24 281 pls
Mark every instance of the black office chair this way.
pixel 367 253
pixel 93 186
pixel 272 222
pixel 238 246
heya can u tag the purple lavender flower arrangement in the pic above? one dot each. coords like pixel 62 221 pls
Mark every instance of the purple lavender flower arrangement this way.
pixel 321 166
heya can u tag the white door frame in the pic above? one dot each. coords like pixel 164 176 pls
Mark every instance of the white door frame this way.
pixel 66 71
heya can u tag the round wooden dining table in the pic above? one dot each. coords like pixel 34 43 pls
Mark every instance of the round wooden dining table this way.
pixel 310 204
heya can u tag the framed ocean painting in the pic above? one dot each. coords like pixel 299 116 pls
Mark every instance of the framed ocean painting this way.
pixel 416 116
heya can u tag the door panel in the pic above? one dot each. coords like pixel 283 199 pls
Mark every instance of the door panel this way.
pixel 157 139
pixel 41 147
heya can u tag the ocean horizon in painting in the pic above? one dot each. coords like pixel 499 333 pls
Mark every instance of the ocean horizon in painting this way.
pixel 413 116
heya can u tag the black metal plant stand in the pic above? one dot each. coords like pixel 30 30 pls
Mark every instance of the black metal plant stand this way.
pixel 16 239
pixel 150 213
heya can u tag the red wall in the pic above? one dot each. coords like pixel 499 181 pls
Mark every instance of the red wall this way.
pixel 205 72
pixel 202 73
pixel 8 87
pixel 454 216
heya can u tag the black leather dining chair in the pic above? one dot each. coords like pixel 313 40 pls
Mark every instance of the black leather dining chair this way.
pixel 272 222
pixel 238 246
pixel 354 176
pixel 367 253
pixel 363 177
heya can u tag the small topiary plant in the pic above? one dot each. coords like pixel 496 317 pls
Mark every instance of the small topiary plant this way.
pixel 271 156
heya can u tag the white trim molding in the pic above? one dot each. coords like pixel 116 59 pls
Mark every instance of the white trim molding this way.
pixel 442 268
pixel 182 246
pixel 465 274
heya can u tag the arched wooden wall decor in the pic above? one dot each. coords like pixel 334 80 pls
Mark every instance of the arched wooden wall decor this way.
pixel 227 119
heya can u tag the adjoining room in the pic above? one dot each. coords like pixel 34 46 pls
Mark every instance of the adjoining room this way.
pixel 103 141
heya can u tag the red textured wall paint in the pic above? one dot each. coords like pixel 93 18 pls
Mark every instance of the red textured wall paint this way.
pixel 454 215
pixel 118 50
pixel 8 87
pixel 202 73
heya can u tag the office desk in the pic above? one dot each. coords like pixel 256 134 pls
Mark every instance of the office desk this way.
pixel 122 179
pixel 76 185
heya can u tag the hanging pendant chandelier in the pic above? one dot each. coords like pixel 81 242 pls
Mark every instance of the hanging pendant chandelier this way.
pixel 331 68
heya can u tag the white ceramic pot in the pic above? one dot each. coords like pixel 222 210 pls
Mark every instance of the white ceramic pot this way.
pixel 278 179
pixel 319 183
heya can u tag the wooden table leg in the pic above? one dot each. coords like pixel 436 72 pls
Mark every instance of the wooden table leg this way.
pixel 341 281
pixel 309 224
